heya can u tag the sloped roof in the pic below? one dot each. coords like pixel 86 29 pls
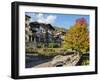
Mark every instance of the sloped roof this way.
pixel 36 24
pixel 27 16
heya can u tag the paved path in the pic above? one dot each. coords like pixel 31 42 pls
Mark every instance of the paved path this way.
pixel 74 60
pixel 47 64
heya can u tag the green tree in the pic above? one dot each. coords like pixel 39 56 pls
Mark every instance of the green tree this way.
pixel 77 37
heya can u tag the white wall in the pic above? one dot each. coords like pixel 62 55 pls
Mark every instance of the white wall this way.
pixel 5 40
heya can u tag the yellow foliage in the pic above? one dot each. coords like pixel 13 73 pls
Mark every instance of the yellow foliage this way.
pixel 77 37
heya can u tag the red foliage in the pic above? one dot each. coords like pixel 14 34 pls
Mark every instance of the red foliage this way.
pixel 81 21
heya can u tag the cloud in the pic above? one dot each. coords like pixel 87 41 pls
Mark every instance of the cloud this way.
pixel 50 19
pixel 41 18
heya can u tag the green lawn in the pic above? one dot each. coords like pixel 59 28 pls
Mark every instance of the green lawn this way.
pixel 46 51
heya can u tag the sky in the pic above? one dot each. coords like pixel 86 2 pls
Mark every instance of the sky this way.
pixel 59 20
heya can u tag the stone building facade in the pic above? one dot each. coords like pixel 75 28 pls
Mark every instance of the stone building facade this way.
pixel 41 34
pixel 28 32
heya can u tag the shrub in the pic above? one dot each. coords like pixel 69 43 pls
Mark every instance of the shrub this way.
pixel 31 50
pixel 47 52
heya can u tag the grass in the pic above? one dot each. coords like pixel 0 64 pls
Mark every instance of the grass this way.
pixel 46 51
pixel 85 59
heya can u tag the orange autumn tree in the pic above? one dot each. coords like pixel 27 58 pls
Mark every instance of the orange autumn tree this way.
pixel 77 37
